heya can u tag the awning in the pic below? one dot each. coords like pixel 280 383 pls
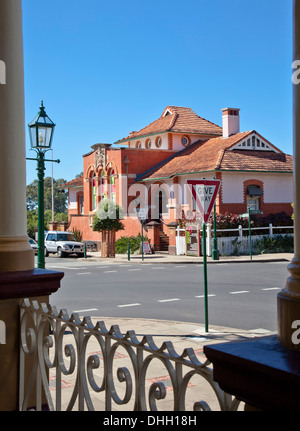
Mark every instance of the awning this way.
pixel 254 191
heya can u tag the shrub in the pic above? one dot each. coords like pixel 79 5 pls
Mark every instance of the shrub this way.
pixel 77 234
pixel 134 242
pixel 276 244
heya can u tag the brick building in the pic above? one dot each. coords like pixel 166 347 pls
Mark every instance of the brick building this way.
pixel 150 169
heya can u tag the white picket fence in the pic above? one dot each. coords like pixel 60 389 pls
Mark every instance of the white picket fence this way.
pixel 238 244
pixel 241 244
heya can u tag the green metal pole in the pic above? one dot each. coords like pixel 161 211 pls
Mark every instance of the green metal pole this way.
pixel 41 222
pixel 205 278
pixel 250 241
pixel 128 251
pixel 215 251
pixel 142 240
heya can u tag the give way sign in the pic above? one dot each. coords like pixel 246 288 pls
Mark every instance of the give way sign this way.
pixel 205 193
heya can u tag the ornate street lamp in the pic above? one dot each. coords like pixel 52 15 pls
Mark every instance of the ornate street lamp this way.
pixel 41 131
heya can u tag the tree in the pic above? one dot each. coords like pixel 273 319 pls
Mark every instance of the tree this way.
pixel 32 220
pixel 107 220
pixel 60 195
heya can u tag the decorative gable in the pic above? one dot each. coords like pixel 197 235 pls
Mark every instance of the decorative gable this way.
pixel 254 142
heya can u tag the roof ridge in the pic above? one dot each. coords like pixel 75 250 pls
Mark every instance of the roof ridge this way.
pixel 220 158
pixel 173 120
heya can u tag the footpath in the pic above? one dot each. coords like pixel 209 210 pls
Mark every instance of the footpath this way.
pixel 182 335
pixel 166 258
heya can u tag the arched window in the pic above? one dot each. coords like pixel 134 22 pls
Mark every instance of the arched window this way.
pixel 102 185
pixel 112 186
pixel 94 192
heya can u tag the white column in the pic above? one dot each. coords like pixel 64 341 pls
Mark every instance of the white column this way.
pixel 289 297
pixel 15 252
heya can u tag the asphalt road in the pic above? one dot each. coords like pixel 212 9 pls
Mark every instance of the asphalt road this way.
pixel 242 295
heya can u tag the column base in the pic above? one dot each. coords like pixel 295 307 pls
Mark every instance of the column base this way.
pixel 16 254
pixel 288 308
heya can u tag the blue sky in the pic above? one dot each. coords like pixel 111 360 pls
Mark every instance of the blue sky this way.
pixel 104 68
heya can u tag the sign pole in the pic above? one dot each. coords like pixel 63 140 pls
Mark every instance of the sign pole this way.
pixel 142 240
pixel 205 192
pixel 205 278
pixel 250 240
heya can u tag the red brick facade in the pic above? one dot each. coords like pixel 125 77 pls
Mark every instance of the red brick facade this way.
pixel 122 173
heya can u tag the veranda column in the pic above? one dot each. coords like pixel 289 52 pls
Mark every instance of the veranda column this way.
pixel 289 298
pixel 15 252
pixel 18 278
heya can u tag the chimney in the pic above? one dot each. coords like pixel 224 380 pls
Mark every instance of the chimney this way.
pixel 231 122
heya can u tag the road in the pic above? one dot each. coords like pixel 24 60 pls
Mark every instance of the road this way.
pixel 241 295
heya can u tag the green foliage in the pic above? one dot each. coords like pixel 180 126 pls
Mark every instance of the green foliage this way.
pixel 276 244
pixel 134 241
pixel 77 234
pixel 230 221
pixel 32 220
pixel 108 217
pixel 60 195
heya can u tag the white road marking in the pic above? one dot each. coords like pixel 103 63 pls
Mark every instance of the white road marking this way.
pixel 106 272
pixel 168 300
pixel 202 296
pixel 83 273
pixel 135 269
pixel 239 291
pixel 64 267
pixel 129 305
pixel 272 288
pixel 84 311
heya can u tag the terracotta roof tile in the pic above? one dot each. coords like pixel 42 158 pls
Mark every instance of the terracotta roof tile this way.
pixel 257 161
pixel 214 154
pixel 177 119
pixel 77 182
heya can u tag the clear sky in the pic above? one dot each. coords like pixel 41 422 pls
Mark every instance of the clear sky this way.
pixel 104 68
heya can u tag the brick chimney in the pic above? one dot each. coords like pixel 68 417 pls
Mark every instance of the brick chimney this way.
pixel 231 122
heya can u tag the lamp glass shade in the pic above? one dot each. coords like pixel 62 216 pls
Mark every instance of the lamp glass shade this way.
pixel 41 131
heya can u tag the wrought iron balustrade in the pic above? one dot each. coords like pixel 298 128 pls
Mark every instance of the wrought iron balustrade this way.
pixel 71 364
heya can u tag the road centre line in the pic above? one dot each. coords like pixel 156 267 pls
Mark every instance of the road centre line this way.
pixel 129 305
pixel 135 269
pixel 84 311
pixel 239 291
pixel 202 296
pixel 64 267
pixel 272 288
pixel 83 273
pixel 168 300
pixel 106 272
